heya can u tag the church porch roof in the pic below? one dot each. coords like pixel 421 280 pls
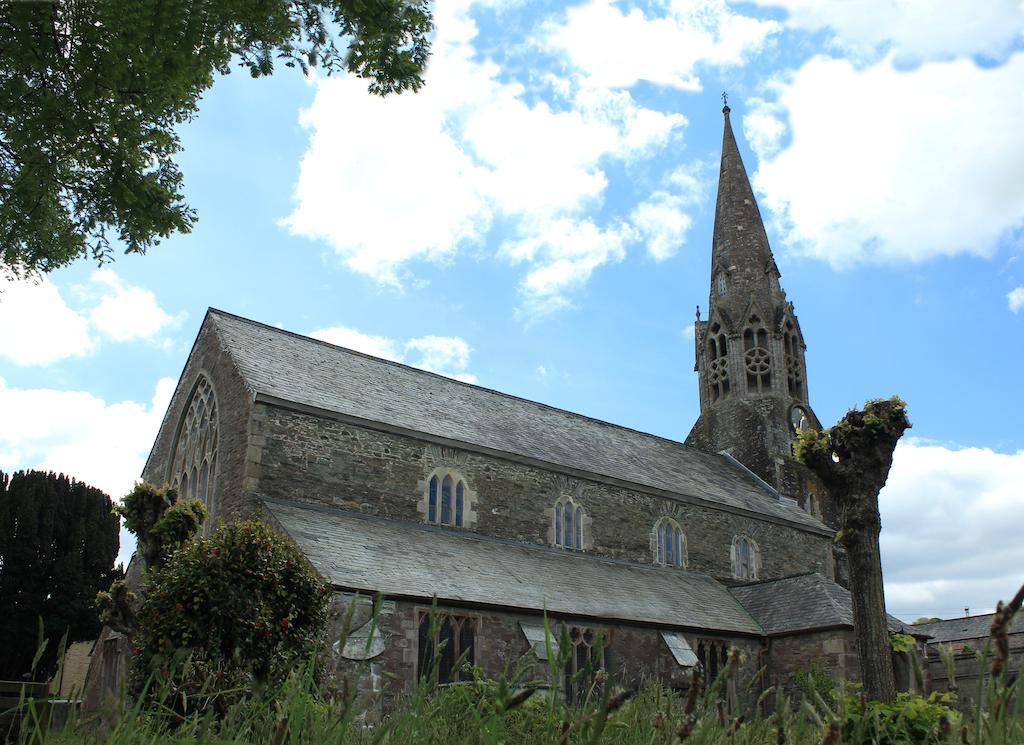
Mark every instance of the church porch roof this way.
pixel 801 603
pixel 411 560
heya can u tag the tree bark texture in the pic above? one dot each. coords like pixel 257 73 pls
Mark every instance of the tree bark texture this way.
pixel 853 459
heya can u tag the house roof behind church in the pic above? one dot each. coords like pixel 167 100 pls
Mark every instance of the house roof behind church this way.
pixel 969 627
pixel 297 369
pixel 397 558
pixel 803 602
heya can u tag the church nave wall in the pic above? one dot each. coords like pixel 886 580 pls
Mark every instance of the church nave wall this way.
pixel 306 457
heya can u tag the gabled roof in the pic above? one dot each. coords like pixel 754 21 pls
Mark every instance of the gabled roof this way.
pixel 803 602
pixel 412 560
pixel 969 627
pixel 286 368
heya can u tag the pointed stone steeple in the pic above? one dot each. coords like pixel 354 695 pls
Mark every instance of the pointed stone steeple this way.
pixel 750 350
pixel 742 265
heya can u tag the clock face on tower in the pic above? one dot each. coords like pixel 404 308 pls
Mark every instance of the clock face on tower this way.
pixel 799 419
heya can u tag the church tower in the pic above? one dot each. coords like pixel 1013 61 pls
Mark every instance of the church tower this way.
pixel 750 351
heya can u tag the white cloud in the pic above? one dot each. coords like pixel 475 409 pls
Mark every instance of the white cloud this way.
pixel 894 165
pixel 37 327
pixel 445 355
pixel 77 433
pixel 1015 298
pixel 913 29
pixel 689 332
pixel 562 258
pixel 378 346
pixel 126 312
pixel 950 529
pixel 616 49
pixel 420 177
pixel 662 220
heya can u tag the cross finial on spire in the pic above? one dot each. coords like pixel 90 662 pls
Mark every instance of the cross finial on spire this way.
pixel 725 103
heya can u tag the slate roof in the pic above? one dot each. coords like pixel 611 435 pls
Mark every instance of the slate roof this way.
pixel 405 559
pixel 800 603
pixel 970 627
pixel 305 371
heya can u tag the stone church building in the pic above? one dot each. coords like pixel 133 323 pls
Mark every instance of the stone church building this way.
pixel 654 556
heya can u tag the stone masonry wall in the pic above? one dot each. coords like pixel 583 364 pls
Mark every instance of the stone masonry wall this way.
pixel 303 457
pixel 234 404
pixel 833 651
pixel 637 654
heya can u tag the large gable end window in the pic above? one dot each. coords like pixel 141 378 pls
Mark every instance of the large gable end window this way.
pixel 671 543
pixel 194 463
pixel 449 500
pixel 569 522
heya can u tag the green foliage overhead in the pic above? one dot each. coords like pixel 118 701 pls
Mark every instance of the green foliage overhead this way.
pixel 92 93
pixel 238 608
pixel 58 542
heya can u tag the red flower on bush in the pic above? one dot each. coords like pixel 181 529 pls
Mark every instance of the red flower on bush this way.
pixel 285 623
pixel 136 650
pixel 179 606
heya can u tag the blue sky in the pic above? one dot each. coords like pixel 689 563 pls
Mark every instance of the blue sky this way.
pixel 538 220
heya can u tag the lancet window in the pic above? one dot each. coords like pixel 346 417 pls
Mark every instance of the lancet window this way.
pixel 713 657
pixel 446 500
pixel 194 464
pixel 447 647
pixel 794 372
pixel 721 284
pixel 756 358
pixel 590 651
pixel 568 524
pixel 746 558
pixel 718 363
pixel 671 542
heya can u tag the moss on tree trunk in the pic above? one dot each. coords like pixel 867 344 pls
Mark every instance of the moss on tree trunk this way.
pixel 853 459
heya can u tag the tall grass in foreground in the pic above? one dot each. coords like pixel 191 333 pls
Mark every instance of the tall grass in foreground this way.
pixel 517 710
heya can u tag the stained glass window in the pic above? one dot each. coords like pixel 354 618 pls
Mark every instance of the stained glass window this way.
pixel 432 501
pixel 446 501
pixel 671 550
pixel 449 507
pixel 568 528
pixel 194 463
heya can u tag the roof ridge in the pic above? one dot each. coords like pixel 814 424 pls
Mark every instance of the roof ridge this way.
pixel 761 582
pixel 485 389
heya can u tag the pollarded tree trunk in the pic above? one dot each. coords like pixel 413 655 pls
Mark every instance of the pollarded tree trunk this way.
pixel 853 459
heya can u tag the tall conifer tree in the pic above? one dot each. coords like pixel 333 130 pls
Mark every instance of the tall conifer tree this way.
pixel 58 542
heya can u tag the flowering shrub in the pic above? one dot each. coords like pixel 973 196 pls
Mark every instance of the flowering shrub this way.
pixel 235 609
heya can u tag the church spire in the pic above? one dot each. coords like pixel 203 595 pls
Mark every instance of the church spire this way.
pixel 750 350
pixel 742 266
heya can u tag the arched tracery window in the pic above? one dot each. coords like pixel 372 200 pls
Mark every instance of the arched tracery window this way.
pixel 718 363
pixel 568 524
pixel 194 464
pixel 794 374
pixel 671 543
pixel 756 358
pixel 446 500
pixel 746 558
